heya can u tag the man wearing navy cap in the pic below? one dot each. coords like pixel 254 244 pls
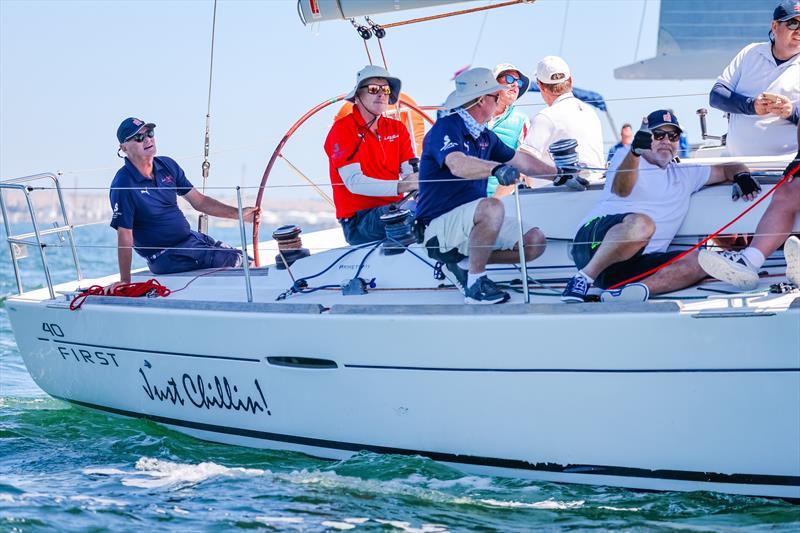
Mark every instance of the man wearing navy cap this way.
pixel 144 196
pixel 760 89
pixel 645 200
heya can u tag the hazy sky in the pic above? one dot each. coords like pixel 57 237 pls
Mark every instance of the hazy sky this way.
pixel 70 71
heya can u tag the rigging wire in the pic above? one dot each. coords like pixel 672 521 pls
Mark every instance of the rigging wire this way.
pixel 563 30
pixel 202 221
pixel 456 13
pixel 478 40
pixel 641 25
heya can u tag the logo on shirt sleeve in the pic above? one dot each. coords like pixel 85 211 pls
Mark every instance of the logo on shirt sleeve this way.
pixel 336 153
pixel 116 212
pixel 168 180
pixel 447 144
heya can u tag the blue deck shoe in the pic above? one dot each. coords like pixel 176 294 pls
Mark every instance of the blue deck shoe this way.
pixel 458 277
pixel 632 292
pixel 576 290
pixel 484 291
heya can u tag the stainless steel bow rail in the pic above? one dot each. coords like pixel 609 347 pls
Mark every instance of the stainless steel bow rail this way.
pixel 17 243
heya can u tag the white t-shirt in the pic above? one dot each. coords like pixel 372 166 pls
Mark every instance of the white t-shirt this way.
pixel 661 194
pixel 752 72
pixel 567 118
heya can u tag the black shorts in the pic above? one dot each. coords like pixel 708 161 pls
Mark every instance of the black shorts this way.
pixel 588 240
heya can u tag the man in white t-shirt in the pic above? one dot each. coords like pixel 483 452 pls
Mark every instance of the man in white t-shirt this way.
pixel 645 200
pixel 760 89
pixel 565 117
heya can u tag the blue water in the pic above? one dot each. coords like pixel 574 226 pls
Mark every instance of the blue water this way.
pixel 64 468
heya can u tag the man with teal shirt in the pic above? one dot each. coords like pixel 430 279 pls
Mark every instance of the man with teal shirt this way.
pixel 509 123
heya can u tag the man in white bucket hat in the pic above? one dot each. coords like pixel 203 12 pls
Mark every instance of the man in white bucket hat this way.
pixel 458 154
pixel 565 117
pixel 369 157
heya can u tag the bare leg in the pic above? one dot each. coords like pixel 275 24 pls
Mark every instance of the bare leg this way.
pixel 778 219
pixel 621 242
pixel 535 243
pixel 679 275
pixel 488 220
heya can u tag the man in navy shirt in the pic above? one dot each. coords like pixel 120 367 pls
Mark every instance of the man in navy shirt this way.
pixel 146 216
pixel 458 154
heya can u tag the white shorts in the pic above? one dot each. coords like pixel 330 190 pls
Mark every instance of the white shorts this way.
pixel 453 228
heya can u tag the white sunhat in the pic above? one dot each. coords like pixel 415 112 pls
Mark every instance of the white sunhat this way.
pixel 505 67
pixel 374 71
pixel 472 84
pixel 552 69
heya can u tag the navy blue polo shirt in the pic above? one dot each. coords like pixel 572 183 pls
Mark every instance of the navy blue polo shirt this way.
pixel 149 207
pixel 439 190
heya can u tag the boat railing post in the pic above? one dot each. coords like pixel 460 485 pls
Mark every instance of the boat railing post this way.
pixel 41 245
pixel 245 258
pixel 71 237
pixel 7 224
pixel 521 246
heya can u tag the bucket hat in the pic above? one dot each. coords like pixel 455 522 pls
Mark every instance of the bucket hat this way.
pixel 374 71
pixel 503 67
pixel 471 84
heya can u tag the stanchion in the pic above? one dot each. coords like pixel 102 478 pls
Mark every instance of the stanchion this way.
pixel 245 257
pixel 521 245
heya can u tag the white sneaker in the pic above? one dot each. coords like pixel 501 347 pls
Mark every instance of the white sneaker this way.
pixel 730 267
pixel 632 292
pixel 791 251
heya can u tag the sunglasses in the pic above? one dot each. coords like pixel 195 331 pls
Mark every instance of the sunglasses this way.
pixel 792 24
pixel 139 137
pixel 509 79
pixel 671 135
pixel 377 89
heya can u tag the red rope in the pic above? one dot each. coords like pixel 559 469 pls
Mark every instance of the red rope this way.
pixel 367 50
pixel 701 243
pixel 132 290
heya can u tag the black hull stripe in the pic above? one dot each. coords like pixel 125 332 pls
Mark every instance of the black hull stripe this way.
pixel 578 370
pixel 602 470
pixel 159 352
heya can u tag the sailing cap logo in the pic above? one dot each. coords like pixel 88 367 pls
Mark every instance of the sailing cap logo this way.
pixel 663 117
pixel 786 10
pixel 130 127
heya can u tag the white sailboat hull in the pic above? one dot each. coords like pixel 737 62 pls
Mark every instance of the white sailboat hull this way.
pixel 574 395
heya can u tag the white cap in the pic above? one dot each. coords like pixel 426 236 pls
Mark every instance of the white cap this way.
pixel 552 69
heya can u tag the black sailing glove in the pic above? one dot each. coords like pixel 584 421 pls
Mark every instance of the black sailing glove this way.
pixel 569 176
pixel 506 175
pixel 745 185
pixel 793 167
pixel 643 140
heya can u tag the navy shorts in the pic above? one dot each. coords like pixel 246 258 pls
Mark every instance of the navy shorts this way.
pixel 196 252
pixel 588 240
pixel 366 225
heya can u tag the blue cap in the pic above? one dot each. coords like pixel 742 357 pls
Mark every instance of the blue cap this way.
pixel 787 9
pixel 130 127
pixel 662 117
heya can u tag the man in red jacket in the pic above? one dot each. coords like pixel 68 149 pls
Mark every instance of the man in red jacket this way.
pixel 369 157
